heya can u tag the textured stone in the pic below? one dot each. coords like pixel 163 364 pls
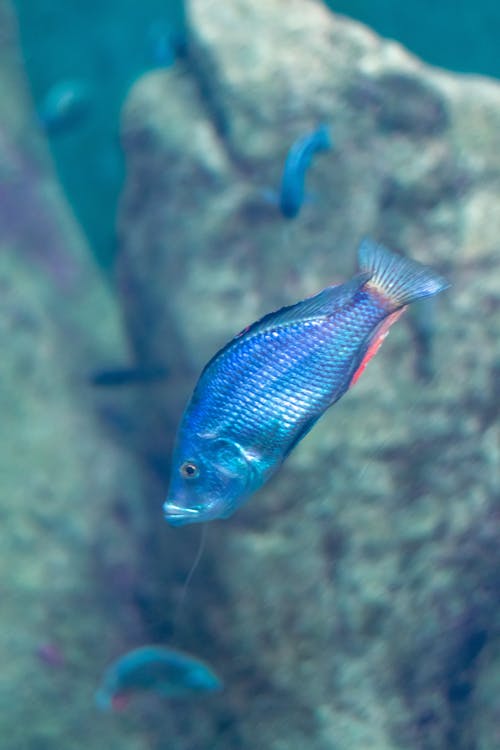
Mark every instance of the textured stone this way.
pixel 338 604
pixel 69 560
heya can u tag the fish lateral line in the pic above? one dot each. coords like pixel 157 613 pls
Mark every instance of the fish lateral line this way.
pixel 316 307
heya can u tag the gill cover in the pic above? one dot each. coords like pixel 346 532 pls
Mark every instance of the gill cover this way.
pixel 233 472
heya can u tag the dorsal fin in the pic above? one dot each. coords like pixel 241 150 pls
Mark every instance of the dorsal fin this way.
pixel 319 306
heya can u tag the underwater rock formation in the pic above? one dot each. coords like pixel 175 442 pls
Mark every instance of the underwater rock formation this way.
pixel 68 564
pixel 349 604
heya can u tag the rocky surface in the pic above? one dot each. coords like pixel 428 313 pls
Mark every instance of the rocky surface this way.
pixel 72 525
pixel 354 601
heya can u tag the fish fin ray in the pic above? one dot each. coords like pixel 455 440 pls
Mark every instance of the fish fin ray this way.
pixel 398 279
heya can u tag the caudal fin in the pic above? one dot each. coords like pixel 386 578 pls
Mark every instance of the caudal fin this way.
pixel 399 279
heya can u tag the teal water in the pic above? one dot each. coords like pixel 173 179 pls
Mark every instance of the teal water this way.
pixel 107 47
pixel 455 34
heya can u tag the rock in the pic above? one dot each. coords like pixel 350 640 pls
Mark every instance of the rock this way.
pixel 335 603
pixel 482 721
pixel 72 525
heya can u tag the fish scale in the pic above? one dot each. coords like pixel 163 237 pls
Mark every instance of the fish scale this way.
pixel 261 393
pixel 305 372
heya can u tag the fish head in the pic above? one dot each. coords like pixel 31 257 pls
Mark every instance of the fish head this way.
pixel 210 479
pixel 201 679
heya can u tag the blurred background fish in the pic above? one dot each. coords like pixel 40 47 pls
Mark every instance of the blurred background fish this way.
pixel 165 42
pixel 65 105
pixel 113 377
pixel 297 163
pixel 165 671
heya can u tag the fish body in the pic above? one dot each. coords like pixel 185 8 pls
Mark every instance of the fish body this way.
pixel 297 163
pixel 259 396
pixel 168 672
pixel 65 105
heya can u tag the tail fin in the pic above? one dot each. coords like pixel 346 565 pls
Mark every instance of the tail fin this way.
pixel 399 279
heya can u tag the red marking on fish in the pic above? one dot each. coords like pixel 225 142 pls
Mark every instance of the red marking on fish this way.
pixel 242 333
pixel 120 701
pixel 376 343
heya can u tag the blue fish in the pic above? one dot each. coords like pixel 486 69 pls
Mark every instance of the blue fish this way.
pixel 259 396
pixel 165 44
pixel 65 105
pixel 297 162
pixel 168 672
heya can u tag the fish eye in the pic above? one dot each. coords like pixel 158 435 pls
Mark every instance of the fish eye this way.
pixel 189 470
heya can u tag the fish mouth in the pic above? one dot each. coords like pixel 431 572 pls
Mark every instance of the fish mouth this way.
pixel 176 515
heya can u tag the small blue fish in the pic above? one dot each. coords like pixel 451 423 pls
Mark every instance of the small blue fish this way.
pixel 259 396
pixel 65 105
pixel 165 671
pixel 162 42
pixel 297 162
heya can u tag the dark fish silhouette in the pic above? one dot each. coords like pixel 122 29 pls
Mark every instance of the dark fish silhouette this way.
pixel 165 671
pixel 123 376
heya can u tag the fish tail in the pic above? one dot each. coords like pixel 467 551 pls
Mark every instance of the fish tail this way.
pixel 400 280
